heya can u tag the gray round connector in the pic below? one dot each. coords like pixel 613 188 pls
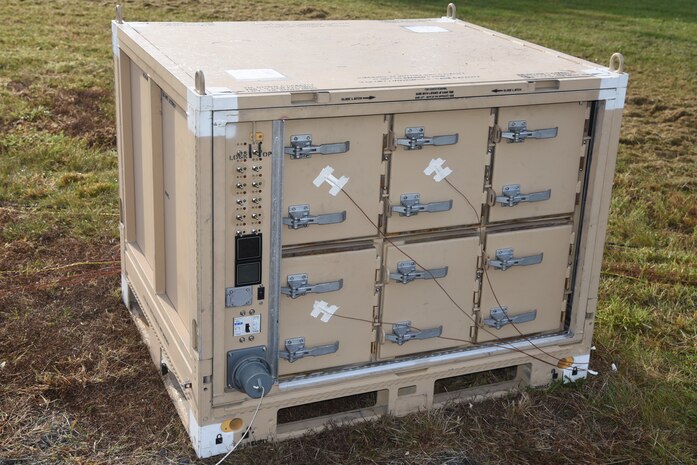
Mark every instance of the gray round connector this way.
pixel 251 375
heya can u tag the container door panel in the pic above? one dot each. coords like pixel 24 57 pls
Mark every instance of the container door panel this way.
pixel 527 271
pixel 538 174
pixel 414 303
pixel 328 302
pixel 347 149
pixel 458 139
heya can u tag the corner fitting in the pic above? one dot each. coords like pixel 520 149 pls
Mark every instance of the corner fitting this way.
pixel 119 14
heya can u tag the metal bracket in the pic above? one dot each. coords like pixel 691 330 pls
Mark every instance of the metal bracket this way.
pixel 410 205
pixel 415 139
pixel 512 196
pixel 298 286
pixel 402 332
pixel 505 260
pixel 406 272
pixel 200 82
pixel 300 217
pixel 301 147
pixel 518 132
pixel 499 317
pixel 295 349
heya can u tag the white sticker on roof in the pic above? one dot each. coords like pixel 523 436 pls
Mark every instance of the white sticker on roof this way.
pixel 259 74
pixel 426 29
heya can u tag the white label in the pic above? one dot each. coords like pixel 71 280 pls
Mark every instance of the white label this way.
pixel 426 29
pixel 246 325
pixel 260 74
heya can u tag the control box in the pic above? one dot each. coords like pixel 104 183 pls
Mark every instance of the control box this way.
pixel 361 221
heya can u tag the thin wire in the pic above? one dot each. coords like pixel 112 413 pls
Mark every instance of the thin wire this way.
pixel 254 417
pixel 380 233
pixel 486 275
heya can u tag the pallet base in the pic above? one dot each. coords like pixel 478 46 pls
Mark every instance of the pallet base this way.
pixel 286 414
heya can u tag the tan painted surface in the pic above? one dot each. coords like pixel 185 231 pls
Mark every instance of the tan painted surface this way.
pixel 540 164
pixel 423 302
pixel 466 159
pixel 525 288
pixel 348 54
pixel 355 300
pixel 361 164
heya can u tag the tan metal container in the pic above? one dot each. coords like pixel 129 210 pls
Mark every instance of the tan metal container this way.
pixel 315 211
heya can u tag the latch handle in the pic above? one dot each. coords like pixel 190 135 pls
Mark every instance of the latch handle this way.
pixel 415 139
pixel 406 272
pixel 301 147
pixel 410 205
pixel 518 132
pixel 298 286
pixel 512 196
pixel 402 332
pixel 505 259
pixel 300 217
pixel 295 349
pixel 499 317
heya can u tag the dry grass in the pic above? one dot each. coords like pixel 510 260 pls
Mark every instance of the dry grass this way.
pixel 76 383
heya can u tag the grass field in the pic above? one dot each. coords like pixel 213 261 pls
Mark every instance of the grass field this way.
pixel 76 384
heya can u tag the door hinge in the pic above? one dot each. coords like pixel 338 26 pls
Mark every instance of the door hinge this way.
pixel 301 147
pixel 505 260
pixel 295 349
pixel 498 317
pixel 415 139
pixel 518 132
pixel 406 272
pixel 298 286
pixel 300 217
pixel 402 332
pixel 410 205
pixel 512 196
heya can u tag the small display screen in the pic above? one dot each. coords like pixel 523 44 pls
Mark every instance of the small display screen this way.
pixel 248 248
pixel 248 273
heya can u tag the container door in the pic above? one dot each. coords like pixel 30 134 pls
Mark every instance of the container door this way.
pixel 527 271
pixel 536 163
pixel 417 315
pixel 430 148
pixel 326 310
pixel 324 157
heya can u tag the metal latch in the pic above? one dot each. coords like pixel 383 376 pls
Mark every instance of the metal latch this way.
pixel 295 349
pixel 410 205
pixel 402 332
pixel 300 217
pixel 406 272
pixel 298 286
pixel 512 196
pixel 499 317
pixel 301 147
pixel 518 132
pixel 415 139
pixel 505 260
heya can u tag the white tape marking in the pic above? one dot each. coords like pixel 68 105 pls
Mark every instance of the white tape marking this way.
pixel 436 166
pixel 326 176
pixel 260 74
pixel 425 29
pixel 321 307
